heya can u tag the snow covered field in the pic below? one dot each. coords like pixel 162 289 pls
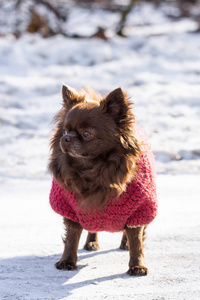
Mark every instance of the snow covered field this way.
pixel 159 66
pixel 30 235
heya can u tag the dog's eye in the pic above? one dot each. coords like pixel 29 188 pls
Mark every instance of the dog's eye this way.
pixel 87 135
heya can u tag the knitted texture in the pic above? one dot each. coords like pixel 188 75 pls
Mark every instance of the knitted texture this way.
pixel 135 207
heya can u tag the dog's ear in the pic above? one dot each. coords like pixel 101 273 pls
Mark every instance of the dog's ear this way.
pixel 115 104
pixel 70 96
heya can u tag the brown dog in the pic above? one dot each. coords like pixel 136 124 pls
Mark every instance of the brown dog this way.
pixel 103 174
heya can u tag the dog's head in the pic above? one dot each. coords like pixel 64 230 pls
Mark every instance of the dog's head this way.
pixel 94 126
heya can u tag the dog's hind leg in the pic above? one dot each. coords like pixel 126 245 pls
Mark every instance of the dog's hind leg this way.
pixel 124 242
pixel 69 258
pixel 137 265
pixel 91 243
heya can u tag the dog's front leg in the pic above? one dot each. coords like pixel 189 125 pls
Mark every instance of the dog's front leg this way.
pixel 69 258
pixel 137 265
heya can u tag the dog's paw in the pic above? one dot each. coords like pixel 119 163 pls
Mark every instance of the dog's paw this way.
pixel 123 246
pixel 65 265
pixel 138 271
pixel 91 246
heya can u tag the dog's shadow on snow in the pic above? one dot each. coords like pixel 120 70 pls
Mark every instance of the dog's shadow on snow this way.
pixel 37 275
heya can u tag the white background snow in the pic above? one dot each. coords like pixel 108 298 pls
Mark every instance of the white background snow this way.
pixel 158 64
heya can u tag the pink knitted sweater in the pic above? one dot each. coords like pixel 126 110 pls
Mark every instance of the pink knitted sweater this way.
pixel 135 207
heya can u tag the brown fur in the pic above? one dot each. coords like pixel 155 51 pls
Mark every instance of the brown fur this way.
pixel 94 154
pixel 135 238
pixel 92 243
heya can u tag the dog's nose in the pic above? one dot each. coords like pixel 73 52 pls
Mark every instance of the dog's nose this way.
pixel 66 138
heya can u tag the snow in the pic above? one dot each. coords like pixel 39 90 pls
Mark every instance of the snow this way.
pixel 31 244
pixel 158 65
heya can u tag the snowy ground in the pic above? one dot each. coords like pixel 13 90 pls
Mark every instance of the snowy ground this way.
pixel 30 237
pixel 159 66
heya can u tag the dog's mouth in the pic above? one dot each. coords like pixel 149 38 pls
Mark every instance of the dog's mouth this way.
pixel 72 152
pixel 77 155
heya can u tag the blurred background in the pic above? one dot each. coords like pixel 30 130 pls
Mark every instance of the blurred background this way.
pixel 50 17
pixel 149 48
